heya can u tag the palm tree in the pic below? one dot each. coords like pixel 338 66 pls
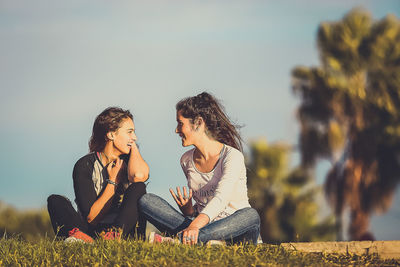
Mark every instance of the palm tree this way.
pixel 285 199
pixel 350 114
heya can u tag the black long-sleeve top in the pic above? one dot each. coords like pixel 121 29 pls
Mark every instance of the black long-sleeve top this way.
pixel 89 178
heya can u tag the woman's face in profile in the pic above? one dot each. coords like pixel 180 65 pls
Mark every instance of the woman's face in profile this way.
pixel 185 129
pixel 125 136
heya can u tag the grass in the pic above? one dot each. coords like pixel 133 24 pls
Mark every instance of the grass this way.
pixel 47 252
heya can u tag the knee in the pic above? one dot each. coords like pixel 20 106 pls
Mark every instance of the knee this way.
pixel 54 200
pixel 253 215
pixel 146 199
pixel 139 188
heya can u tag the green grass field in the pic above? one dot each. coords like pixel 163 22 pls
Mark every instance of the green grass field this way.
pixel 47 252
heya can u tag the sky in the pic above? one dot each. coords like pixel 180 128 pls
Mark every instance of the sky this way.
pixel 63 62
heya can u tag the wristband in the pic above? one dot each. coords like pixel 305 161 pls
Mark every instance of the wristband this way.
pixel 111 182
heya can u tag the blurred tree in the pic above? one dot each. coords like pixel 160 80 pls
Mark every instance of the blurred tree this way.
pixel 350 114
pixel 286 201
pixel 29 225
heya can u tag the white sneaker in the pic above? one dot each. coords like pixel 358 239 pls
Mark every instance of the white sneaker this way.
pixel 72 239
pixel 76 235
pixel 216 243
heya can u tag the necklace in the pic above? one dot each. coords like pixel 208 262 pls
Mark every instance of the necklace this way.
pixel 105 155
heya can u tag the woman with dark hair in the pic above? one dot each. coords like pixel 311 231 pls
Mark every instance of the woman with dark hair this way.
pixel 216 177
pixel 107 182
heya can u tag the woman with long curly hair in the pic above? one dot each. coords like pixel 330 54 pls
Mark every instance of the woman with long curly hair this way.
pixel 107 182
pixel 216 177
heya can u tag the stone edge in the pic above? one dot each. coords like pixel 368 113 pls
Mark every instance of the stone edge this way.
pixel 384 249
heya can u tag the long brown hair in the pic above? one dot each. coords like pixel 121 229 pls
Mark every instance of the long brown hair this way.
pixel 107 121
pixel 218 125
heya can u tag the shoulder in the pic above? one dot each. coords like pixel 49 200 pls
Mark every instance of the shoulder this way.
pixel 86 161
pixel 232 153
pixel 187 157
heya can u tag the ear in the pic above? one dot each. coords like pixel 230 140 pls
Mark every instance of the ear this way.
pixel 110 136
pixel 198 122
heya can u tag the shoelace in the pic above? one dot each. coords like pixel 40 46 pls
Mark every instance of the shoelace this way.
pixel 73 231
pixel 111 235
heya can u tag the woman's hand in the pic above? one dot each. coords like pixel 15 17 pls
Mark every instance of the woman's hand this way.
pixel 102 204
pixel 182 201
pixel 113 169
pixel 190 235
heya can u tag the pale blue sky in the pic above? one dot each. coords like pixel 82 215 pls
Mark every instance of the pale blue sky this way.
pixel 63 62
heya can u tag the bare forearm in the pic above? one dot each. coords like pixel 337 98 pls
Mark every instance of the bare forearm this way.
pixel 100 205
pixel 200 221
pixel 138 170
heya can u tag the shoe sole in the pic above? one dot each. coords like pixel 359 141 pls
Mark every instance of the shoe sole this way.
pixel 151 237
pixel 72 239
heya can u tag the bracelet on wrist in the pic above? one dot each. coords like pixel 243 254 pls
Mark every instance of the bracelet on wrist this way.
pixel 111 182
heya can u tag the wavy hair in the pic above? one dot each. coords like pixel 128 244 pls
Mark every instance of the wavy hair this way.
pixel 107 121
pixel 218 125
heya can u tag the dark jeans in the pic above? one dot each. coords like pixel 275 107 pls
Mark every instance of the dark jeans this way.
pixel 241 226
pixel 64 217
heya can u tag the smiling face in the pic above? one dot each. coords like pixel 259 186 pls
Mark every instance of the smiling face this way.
pixel 185 129
pixel 124 136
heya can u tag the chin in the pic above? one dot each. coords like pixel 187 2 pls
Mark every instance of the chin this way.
pixel 185 144
pixel 126 151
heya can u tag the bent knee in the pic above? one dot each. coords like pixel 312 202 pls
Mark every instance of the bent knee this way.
pixel 253 214
pixel 146 199
pixel 138 187
pixel 55 199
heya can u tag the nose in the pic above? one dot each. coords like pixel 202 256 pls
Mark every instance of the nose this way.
pixel 176 129
pixel 134 137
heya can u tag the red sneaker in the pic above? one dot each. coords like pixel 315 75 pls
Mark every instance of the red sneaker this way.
pixel 76 235
pixel 112 234
pixel 156 238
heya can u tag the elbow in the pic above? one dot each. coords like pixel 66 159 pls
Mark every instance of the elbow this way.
pixel 139 177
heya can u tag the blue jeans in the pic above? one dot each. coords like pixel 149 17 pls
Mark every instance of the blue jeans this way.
pixel 242 226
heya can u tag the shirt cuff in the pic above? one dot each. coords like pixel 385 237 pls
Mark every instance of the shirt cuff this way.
pixel 213 208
